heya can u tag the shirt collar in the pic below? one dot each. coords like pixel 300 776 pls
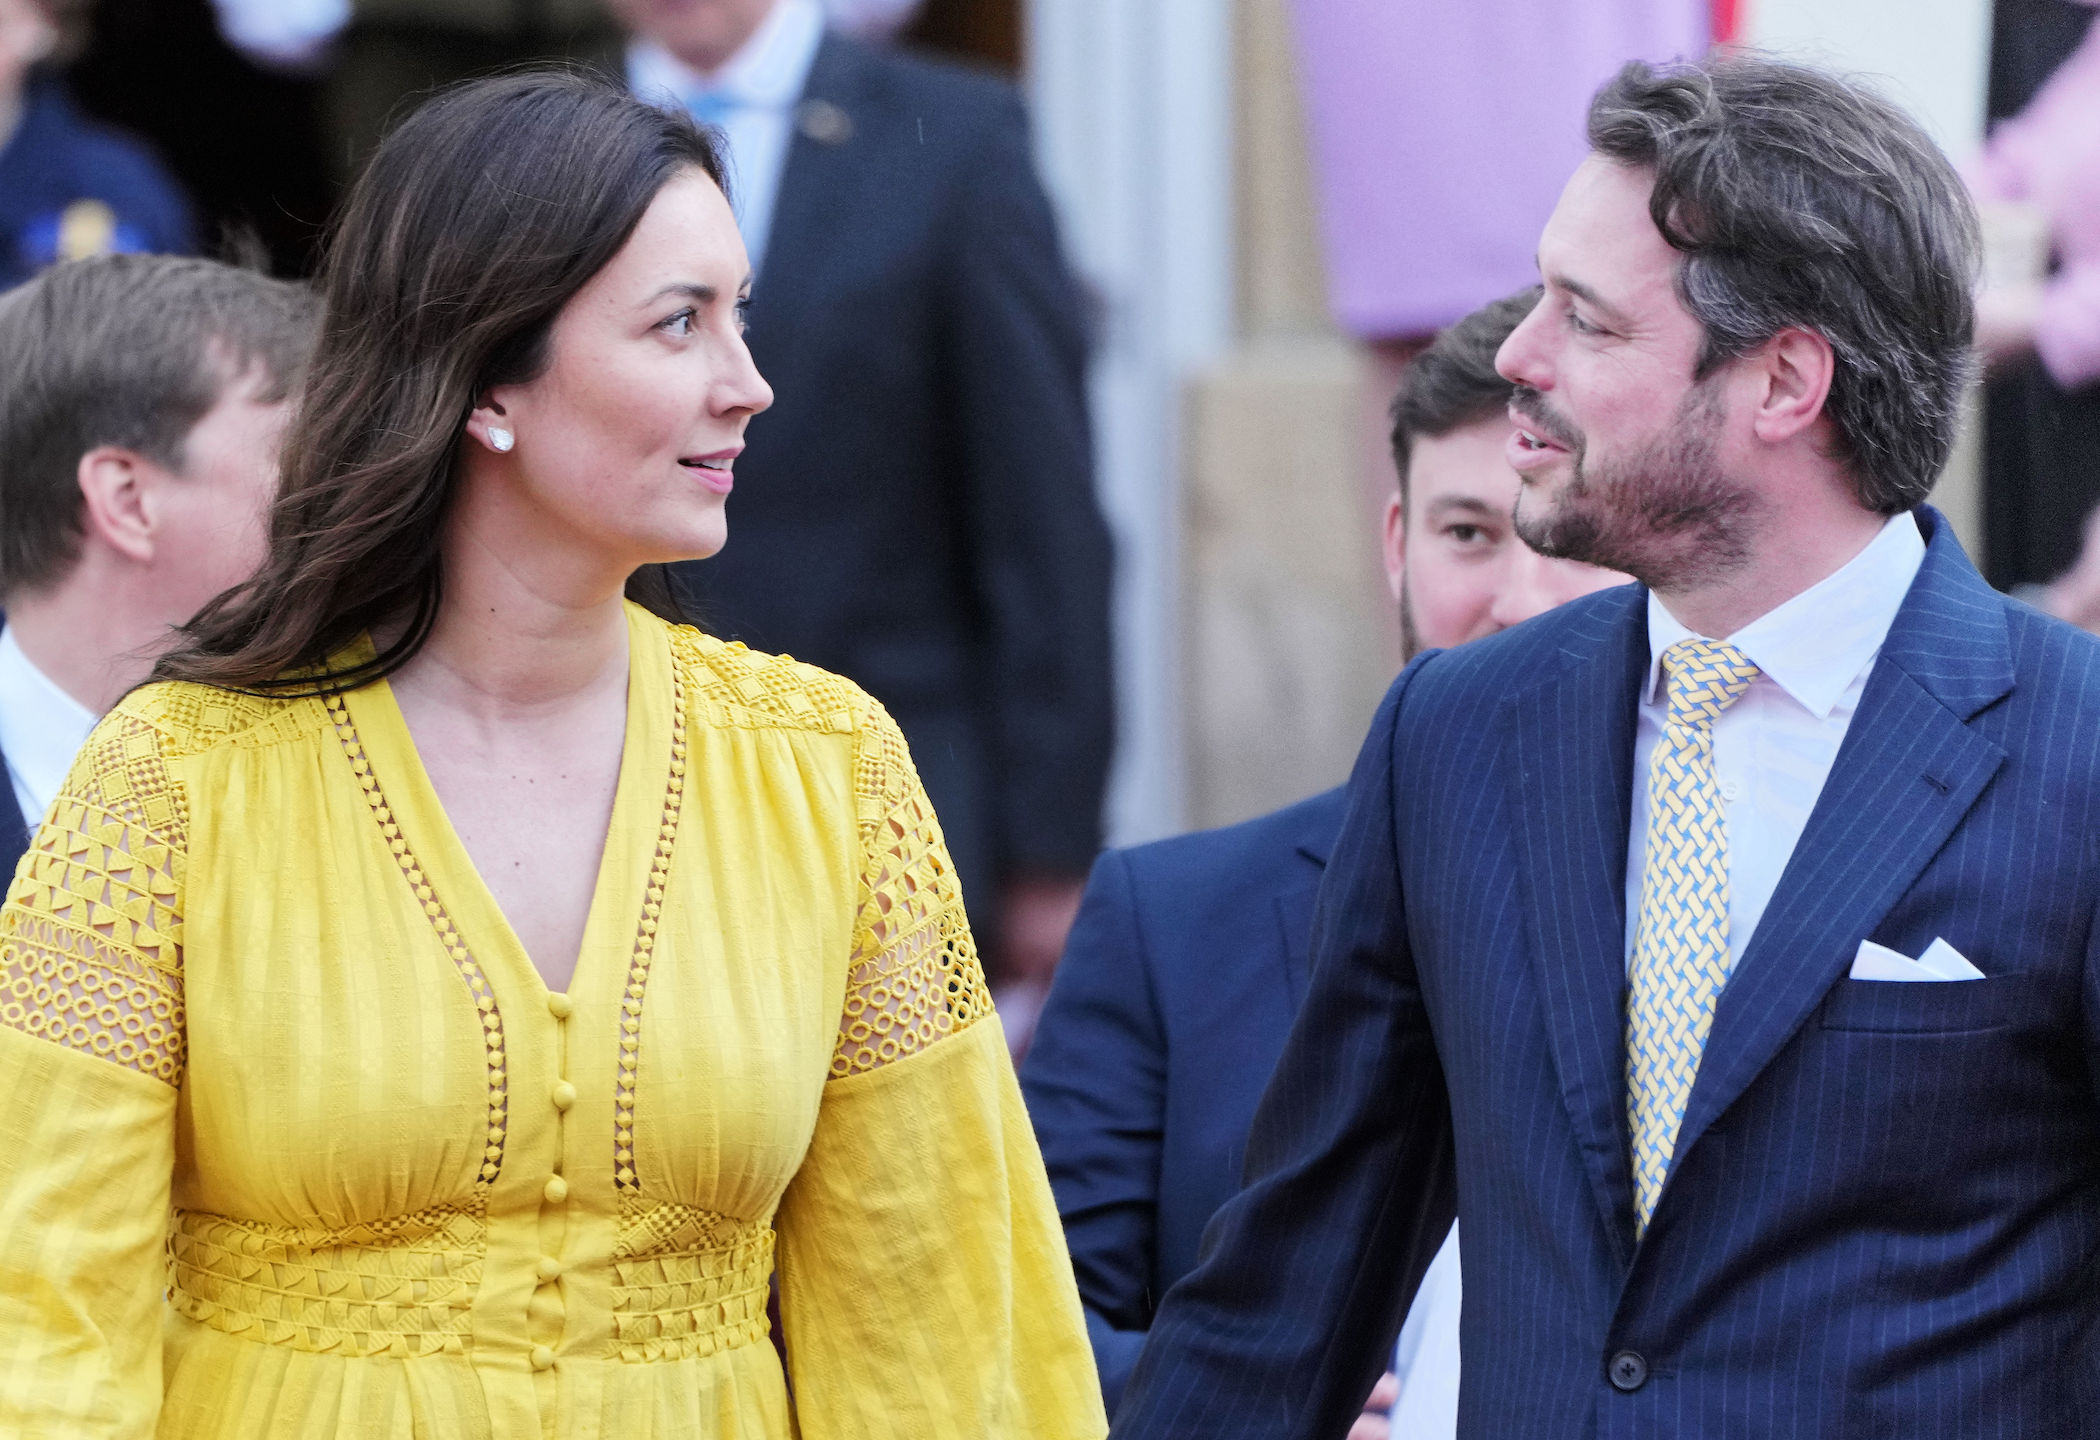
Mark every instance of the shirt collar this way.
pixel 41 727
pixel 768 73
pixel 1816 644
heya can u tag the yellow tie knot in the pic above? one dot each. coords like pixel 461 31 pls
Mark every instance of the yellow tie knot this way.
pixel 1704 677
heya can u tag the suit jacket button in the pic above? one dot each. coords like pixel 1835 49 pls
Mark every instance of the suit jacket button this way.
pixel 1628 1371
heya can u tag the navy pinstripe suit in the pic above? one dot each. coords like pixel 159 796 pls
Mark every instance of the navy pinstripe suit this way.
pixel 1883 1212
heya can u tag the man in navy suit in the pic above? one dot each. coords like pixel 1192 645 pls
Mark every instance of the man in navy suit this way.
pixel 143 399
pixel 1187 962
pixel 1721 949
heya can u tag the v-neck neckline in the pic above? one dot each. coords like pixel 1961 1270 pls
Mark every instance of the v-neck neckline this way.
pixel 620 889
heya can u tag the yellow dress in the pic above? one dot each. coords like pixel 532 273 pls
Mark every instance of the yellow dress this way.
pixel 296 1143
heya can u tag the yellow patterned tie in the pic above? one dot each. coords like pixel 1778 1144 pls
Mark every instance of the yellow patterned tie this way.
pixel 1680 953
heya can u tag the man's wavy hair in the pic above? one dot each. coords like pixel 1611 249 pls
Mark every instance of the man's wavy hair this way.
pixel 1801 199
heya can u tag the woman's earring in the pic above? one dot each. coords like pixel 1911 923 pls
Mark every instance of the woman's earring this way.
pixel 500 439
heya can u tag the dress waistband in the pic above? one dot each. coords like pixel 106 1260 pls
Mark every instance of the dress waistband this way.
pixel 688 1281
pixel 401 1287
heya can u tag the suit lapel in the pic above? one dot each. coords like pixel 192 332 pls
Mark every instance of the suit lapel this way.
pixel 1570 742
pixel 1296 897
pixel 825 164
pixel 1909 770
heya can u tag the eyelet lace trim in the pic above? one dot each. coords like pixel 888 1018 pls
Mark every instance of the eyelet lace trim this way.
pixel 915 976
pixel 402 1286
pixel 448 933
pixel 625 1180
pixel 687 1281
pixel 91 938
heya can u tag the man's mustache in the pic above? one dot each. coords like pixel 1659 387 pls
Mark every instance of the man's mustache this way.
pixel 1531 406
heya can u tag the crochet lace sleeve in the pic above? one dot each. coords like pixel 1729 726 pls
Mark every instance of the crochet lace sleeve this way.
pixel 91 936
pixel 914 976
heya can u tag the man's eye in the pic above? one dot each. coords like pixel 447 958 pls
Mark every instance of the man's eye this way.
pixel 1581 326
pixel 680 324
pixel 1466 534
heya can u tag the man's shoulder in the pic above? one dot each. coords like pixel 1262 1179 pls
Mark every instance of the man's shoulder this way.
pixel 2054 662
pixel 1254 856
pixel 924 83
pixel 1482 671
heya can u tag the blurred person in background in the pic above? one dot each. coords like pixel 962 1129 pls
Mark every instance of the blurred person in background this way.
pixel 918 509
pixel 70 188
pixel 1187 964
pixel 2037 183
pixel 142 401
pixel 228 94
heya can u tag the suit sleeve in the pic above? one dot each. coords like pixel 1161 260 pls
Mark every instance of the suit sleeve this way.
pixel 1095 1080
pixel 1041 545
pixel 1307 1273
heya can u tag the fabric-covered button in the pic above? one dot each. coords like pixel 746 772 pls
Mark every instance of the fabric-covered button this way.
pixel 563 1095
pixel 549 1269
pixel 542 1358
pixel 1628 1371
pixel 557 1190
pixel 559 1007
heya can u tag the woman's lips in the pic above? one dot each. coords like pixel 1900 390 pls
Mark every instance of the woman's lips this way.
pixel 714 471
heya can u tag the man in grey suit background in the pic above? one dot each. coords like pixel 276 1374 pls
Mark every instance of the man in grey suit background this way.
pixel 1723 949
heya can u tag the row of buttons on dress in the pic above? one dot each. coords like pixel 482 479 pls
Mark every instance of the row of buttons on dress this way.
pixel 556 1191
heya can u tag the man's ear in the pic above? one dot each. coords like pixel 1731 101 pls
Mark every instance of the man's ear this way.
pixel 1794 371
pixel 1394 544
pixel 116 506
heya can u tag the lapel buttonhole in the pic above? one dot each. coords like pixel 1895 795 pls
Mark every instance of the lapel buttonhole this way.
pixel 823 122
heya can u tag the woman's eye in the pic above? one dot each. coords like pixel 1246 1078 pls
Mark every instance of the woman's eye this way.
pixel 743 315
pixel 680 324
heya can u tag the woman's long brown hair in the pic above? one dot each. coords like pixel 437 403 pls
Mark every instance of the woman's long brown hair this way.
pixel 473 225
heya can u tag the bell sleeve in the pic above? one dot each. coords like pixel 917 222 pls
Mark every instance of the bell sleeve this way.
pixel 925 1289
pixel 91 1059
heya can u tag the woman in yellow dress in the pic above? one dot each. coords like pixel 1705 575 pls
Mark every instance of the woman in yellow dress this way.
pixel 443 1001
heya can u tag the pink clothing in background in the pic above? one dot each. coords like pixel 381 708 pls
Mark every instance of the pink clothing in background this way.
pixel 1442 134
pixel 2049 156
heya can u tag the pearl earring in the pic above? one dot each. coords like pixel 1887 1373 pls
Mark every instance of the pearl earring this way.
pixel 500 440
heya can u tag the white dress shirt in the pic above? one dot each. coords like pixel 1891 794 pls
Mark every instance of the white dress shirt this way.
pixel 1774 747
pixel 1426 1359
pixel 757 91
pixel 41 729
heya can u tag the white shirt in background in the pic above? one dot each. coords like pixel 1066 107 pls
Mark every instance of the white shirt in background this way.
pixel 1426 1359
pixel 759 89
pixel 1774 747
pixel 41 729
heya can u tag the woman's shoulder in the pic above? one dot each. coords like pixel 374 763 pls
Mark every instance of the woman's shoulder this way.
pixel 732 684
pixel 190 718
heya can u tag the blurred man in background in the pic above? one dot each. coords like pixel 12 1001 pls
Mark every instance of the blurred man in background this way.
pixel 143 400
pixel 69 188
pixel 917 509
pixel 1185 969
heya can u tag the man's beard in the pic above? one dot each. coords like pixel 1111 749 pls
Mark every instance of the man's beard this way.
pixel 1668 515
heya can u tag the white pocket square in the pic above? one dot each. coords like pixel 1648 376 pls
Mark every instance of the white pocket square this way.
pixel 1941 962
